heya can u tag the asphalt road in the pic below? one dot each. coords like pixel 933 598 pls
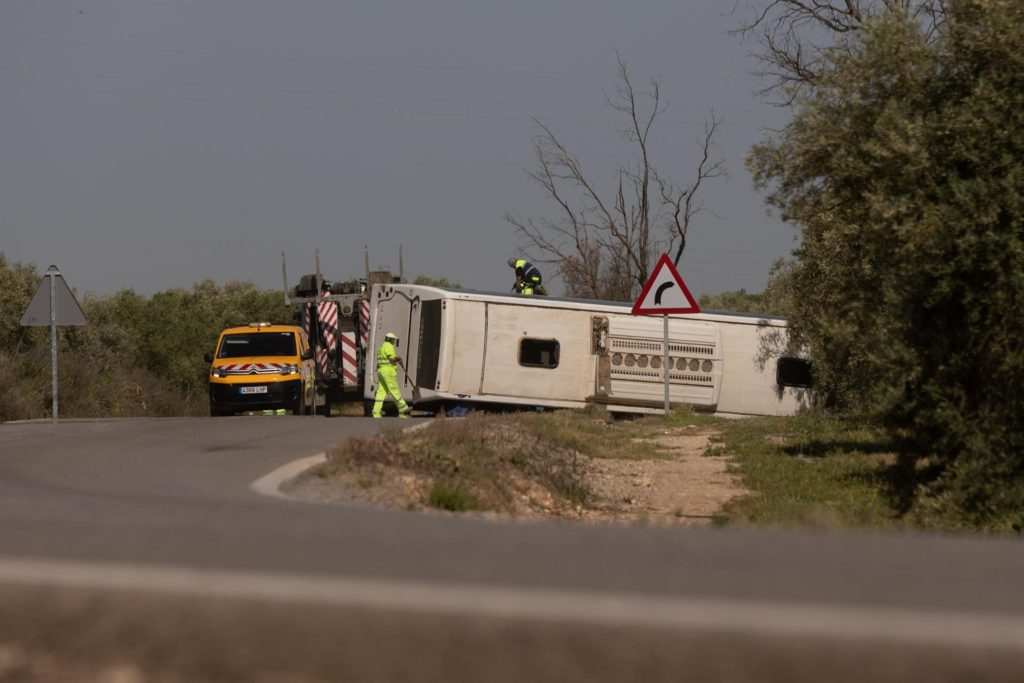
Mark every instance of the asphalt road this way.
pixel 137 548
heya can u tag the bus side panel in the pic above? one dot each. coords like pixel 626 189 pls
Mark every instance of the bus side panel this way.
pixel 748 384
pixel 466 327
pixel 540 353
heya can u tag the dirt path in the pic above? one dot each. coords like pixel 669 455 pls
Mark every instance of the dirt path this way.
pixel 689 487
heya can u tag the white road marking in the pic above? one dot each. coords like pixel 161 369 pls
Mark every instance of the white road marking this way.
pixel 270 484
pixel 943 628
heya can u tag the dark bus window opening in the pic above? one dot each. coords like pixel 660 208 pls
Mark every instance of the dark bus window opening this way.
pixel 430 344
pixel 538 353
pixel 794 372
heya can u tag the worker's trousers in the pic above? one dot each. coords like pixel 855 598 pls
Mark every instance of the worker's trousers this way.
pixel 531 287
pixel 387 385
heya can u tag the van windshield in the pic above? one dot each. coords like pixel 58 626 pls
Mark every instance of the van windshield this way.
pixel 257 344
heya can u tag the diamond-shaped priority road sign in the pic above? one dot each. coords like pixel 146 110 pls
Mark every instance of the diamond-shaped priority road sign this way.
pixel 665 292
pixel 37 313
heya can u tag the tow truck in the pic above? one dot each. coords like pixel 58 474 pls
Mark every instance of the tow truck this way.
pixel 336 317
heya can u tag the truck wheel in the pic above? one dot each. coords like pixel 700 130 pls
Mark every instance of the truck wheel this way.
pixel 299 406
pixel 325 409
pixel 367 407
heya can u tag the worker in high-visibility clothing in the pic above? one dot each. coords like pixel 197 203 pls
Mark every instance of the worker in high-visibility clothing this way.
pixel 387 377
pixel 528 278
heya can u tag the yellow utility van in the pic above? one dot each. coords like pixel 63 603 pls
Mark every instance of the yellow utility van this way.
pixel 262 366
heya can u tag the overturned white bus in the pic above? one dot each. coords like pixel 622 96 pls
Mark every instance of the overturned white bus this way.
pixel 464 347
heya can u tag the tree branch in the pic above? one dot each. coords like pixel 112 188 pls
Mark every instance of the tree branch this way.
pixel 602 247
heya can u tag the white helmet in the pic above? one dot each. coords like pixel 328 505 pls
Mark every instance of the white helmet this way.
pixel 390 335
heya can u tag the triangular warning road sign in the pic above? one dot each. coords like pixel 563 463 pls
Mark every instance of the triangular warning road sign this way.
pixel 37 313
pixel 665 292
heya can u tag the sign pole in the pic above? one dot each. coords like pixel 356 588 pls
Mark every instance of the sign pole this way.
pixel 665 364
pixel 42 310
pixel 53 337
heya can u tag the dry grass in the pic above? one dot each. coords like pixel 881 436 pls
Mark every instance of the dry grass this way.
pixel 808 471
pixel 569 464
pixel 480 462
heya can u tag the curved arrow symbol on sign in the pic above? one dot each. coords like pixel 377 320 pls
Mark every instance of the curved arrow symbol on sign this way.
pixel 660 291
pixel 658 296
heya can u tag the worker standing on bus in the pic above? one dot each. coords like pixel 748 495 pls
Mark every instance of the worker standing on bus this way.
pixel 387 377
pixel 528 278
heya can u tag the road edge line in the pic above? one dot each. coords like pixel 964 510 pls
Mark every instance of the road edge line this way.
pixel 270 484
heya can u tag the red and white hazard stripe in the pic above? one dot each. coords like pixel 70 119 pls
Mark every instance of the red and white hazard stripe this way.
pixel 328 313
pixel 253 368
pixel 307 320
pixel 364 323
pixel 349 365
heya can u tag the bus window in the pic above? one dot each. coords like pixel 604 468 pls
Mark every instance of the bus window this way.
pixel 793 372
pixel 538 353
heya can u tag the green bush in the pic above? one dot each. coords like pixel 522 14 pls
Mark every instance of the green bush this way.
pixel 137 356
pixel 904 169
pixel 451 494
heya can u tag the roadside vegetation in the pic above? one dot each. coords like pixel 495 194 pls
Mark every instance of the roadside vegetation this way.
pixel 511 463
pixel 802 472
pixel 137 356
pixel 902 168
pixel 481 462
pixel 814 472
pixel 842 472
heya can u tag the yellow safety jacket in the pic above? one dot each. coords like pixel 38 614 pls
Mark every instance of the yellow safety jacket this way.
pixel 385 355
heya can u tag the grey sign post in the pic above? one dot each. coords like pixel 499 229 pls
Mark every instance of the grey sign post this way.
pixel 53 304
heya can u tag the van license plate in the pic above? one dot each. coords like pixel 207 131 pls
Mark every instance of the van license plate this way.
pixel 252 390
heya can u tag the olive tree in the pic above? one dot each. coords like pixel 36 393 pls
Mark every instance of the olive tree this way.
pixel 794 40
pixel 903 169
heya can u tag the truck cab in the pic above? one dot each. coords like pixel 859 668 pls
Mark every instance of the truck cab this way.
pixel 262 366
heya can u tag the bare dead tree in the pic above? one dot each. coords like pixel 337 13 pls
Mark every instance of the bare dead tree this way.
pixel 684 203
pixel 603 245
pixel 790 37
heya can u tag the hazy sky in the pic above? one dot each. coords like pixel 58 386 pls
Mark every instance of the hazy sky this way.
pixel 152 144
